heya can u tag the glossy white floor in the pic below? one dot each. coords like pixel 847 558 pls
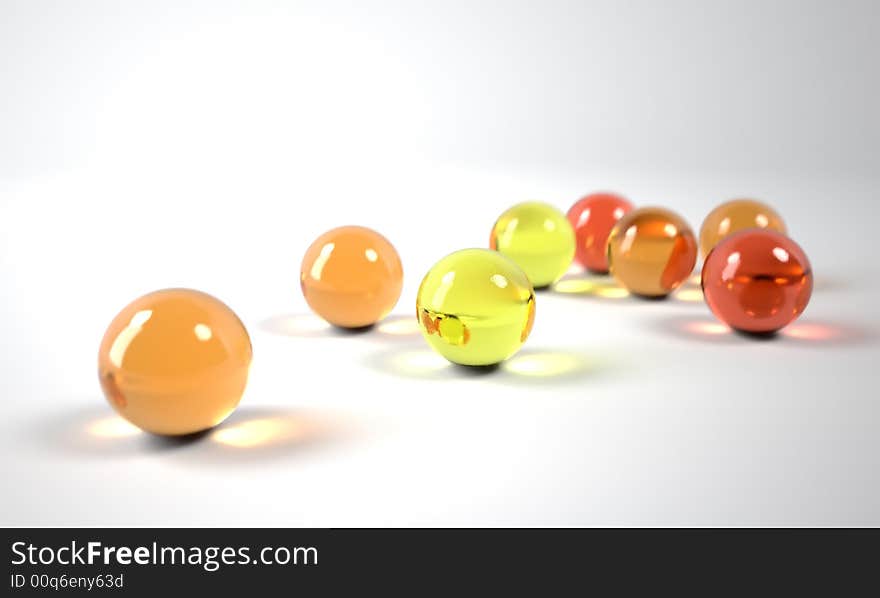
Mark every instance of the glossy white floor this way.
pixel 616 411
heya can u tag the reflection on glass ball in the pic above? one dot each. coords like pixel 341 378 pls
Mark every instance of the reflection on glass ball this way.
pixel 734 216
pixel 651 251
pixel 175 362
pixel 593 217
pixel 475 307
pixel 351 276
pixel 757 281
pixel 538 237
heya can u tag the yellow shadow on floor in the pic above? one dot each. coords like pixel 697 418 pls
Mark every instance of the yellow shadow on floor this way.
pixel 250 433
pixel 528 366
pixel 545 364
pixel 261 432
pixel 112 426
pixel 688 295
pixel 399 326
pixel 603 287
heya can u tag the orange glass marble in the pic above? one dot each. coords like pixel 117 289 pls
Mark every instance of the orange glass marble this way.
pixel 757 281
pixel 351 276
pixel 651 251
pixel 734 216
pixel 593 217
pixel 175 362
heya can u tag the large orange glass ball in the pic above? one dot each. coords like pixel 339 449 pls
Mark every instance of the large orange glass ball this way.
pixel 351 276
pixel 651 251
pixel 175 362
pixel 757 281
pixel 734 216
pixel 593 217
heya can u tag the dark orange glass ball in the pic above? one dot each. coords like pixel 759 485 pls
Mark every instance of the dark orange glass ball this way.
pixel 757 280
pixel 651 251
pixel 593 217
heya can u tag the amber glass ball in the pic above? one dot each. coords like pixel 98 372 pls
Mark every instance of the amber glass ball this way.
pixel 734 216
pixel 174 362
pixel 651 251
pixel 351 276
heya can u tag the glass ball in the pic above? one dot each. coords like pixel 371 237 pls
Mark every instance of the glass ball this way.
pixel 475 307
pixel 593 217
pixel 175 362
pixel 351 276
pixel 757 280
pixel 734 216
pixel 651 251
pixel 538 237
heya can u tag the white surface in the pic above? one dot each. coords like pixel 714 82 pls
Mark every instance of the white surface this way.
pixel 144 150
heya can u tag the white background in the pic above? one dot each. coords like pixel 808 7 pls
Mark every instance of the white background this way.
pixel 150 145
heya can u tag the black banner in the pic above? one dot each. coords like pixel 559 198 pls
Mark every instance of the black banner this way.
pixel 118 561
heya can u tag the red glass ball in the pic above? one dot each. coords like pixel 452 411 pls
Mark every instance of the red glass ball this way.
pixel 757 280
pixel 593 217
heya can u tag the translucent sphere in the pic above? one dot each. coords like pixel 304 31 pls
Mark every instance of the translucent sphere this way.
pixel 593 217
pixel 475 307
pixel 734 216
pixel 757 280
pixel 651 251
pixel 174 362
pixel 351 276
pixel 538 237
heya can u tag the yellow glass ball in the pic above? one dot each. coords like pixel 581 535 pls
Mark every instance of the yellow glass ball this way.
pixel 475 307
pixel 538 237
pixel 175 362
pixel 734 216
